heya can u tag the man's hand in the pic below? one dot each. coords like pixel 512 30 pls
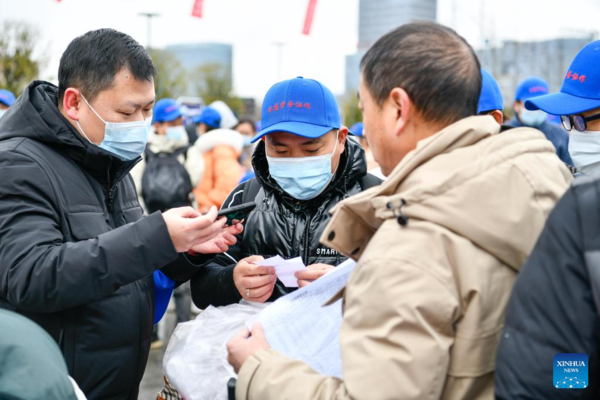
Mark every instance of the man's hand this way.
pixel 254 282
pixel 244 345
pixel 187 228
pixel 312 273
pixel 221 242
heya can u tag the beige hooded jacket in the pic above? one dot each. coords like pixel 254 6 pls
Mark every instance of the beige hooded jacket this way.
pixel 424 308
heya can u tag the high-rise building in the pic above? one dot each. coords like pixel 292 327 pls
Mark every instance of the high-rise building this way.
pixel 375 19
pixel 378 17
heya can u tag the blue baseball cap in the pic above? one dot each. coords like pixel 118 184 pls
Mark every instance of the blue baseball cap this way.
pixel 490 98
pixel 166 110
pixel 530 88
pixel 7 97
pixel 303 107
pixel 357 129
pixel 580 90
pixel 209 116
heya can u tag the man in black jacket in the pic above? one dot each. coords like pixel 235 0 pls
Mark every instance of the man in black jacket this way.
pixel 76 256
pixel 555 304
pixel 304 166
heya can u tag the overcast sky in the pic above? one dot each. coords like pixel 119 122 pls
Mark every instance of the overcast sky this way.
pixel 252 26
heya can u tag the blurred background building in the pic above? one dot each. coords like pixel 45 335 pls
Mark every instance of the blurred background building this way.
pixel 512 61
pixel 375 19
pixel 192 56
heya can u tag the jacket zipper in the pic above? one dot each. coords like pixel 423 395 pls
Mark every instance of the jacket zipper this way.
pixel 306 241
pixel 110 199
pixel 111 191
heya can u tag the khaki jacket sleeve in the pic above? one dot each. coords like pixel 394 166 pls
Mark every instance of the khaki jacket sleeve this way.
pixel 395 340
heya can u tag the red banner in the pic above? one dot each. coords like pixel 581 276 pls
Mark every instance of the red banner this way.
pixel 310 13
pixel 197 10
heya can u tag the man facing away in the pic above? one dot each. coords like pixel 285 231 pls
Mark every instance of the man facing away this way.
pixel 438 244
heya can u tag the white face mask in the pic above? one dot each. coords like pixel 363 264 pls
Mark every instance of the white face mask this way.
pixel 584 148
pixel 2 112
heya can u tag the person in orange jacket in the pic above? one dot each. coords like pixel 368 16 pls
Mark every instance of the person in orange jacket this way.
pixel 221 149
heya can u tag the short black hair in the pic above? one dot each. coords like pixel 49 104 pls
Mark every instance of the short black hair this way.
pixel 92 60
pixel 246 121
pixel 432 63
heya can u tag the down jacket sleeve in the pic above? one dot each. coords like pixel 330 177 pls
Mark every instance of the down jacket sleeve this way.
pixel 213 283
pixel 40 272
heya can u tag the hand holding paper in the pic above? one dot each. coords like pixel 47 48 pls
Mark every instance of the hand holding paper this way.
pixel 285 269
pixel 312 273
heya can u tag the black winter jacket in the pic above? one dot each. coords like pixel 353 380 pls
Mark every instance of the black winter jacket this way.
pixel 76 256
pixel 280 225
pixel 552 309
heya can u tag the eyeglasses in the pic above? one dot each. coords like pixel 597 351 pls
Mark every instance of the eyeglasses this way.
pixel 577 121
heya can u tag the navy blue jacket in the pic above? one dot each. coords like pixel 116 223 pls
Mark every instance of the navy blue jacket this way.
pixel 554 133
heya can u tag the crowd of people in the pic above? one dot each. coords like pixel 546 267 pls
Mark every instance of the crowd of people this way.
pixel 475 235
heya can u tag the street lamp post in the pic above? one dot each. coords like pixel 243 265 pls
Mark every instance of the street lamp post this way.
pixel 279 46
pixel 149 17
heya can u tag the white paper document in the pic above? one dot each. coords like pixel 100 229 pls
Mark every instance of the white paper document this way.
pixel 284 269
pixel 298 325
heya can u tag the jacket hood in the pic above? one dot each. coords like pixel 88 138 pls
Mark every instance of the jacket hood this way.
pixel 220 137
pixel 352 167
pixel 492 189
pixel 35 115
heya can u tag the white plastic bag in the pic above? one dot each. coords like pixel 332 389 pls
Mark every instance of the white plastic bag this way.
pixel 195 361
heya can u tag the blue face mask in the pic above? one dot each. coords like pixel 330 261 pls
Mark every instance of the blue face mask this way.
pixel 126 140
pixel 303 178
pixel 177 133
pixel 532 118
pixel 247 141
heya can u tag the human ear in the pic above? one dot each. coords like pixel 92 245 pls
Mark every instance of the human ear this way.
pixel 71 103
pixel 402 108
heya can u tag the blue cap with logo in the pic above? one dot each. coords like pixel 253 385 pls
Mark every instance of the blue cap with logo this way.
pixel 530 88
pixel 209 116
pixel 580 90
pixel 357 129
pixel 166 110
pixel 490 98
pixel 303 107
pixel 7 97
